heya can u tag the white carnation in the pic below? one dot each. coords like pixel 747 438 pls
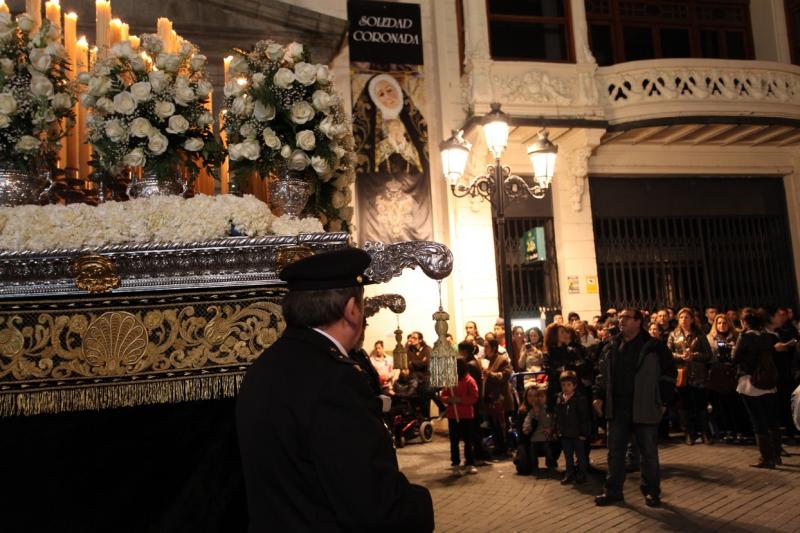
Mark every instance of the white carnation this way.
pixel 141 91
pixel 177 124
pixel 204 88
pixel 242 106
pixel 40 59
pixel 294 51
pixel 165 109
pixel 305 139
pixel 27 143
pixel 157 143
pixel 271 140
pixel 323 74
pixel 41 86
pixel 299 160
pixel 115 130
pixel 283 78
pixel 205 119
pixel 248 131
pixel 7 66
pixel 286 151
pixel 258 79
pixel 232 88
pixel 184 95
pixel 301 112
pixel 25 22
pixel 124 103
pixel 193 144
pixel 235 151
pixel 305 73
pixel 275 51
pixel 8 104
pixel 199 61
pixel 135 158
pixel 141 127
pixel 4 122
pixel 105 105
pixel 263 112
pixel 138 64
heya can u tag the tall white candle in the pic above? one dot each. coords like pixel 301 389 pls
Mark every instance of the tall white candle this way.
pixel 115 31
pixel 53 12
pixel 164 30
pixel 103 23
pixel 84 152
pixel 124 32
pixel 73 142
pixel 34 9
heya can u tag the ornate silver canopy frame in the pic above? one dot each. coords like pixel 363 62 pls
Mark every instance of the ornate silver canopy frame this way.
pixel 231 262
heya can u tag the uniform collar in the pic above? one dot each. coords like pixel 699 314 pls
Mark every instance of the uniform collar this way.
pixel 333 340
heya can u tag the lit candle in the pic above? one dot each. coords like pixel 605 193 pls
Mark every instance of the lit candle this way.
pixel 103 23
pixel 226 63
pixel 3 7
pixel 124 32
pixel 72 141
pixel 173 41
pixel 34 9
pixel 115 31
pixel 135 41
pixel 164 30
pixel 83 148
pixel 223 168
pixel 52 10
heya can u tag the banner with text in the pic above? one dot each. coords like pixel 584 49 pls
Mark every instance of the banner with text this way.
pixel 393 193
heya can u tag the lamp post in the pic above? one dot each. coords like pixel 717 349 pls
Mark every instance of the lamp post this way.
pixel 498 182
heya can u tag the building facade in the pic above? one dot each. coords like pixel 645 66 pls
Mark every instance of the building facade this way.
pixel 677 180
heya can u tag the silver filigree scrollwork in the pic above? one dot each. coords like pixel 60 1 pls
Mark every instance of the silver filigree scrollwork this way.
pixel 389 260
pixel 393 302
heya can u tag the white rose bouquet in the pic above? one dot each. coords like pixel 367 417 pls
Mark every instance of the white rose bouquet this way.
pixel 148 110
pixel 281 112
pixel 35 94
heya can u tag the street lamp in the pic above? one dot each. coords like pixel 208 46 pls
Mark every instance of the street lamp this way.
pixel 498 182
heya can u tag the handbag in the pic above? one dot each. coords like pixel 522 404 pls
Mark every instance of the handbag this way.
pixel 683 377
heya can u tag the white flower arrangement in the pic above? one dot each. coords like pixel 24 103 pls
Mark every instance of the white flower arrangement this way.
pixel 160 219
pixel 281 112
pixel 35 94
pixel 148 110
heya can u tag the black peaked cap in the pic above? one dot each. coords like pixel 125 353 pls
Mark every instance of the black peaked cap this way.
pixel 330 270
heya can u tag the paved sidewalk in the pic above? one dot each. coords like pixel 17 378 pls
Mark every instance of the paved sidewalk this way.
pixel 704 488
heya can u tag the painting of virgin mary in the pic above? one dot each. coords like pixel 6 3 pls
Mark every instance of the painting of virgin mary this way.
pixel 392 166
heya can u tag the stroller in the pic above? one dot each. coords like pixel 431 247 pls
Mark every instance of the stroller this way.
pixel 407 421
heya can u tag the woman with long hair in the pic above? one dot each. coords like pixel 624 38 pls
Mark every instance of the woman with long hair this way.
pixel 754 344
pixel 727 409
pixel 692 354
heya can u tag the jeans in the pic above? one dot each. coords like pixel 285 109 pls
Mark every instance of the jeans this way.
pixel 763 412
pixel 460 430
pixel 574 447
pixel 619 430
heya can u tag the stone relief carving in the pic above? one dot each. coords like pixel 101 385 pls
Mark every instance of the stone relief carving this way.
pixel 579 174
pixel 533 87
pixel 698 84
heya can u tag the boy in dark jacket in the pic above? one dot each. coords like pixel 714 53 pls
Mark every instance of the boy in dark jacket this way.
pixel 573 424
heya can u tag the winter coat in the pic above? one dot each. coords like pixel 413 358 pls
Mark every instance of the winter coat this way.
pixel 496 387
pixel 678 341
pixel 573 418
pixel 467 393
pixel 654 384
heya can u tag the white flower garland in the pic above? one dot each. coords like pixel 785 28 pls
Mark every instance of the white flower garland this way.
pixel 161 219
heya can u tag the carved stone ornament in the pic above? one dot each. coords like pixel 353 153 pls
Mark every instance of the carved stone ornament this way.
pixel 95 273
pixel 393 302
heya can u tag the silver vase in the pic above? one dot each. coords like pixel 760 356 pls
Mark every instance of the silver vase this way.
pixel 289 191
pixel 18 187
pixel 149 185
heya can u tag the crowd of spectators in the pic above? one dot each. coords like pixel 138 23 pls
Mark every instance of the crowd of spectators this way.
pixel 552 410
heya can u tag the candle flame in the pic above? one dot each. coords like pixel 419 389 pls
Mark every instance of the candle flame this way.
pixel 83 42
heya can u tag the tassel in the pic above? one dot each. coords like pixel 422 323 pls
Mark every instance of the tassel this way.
pixel 400 355
pixel 443 356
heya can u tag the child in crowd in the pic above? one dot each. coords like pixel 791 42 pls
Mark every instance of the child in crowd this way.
pixel 460 411
pixel 539 425
pixel 573 425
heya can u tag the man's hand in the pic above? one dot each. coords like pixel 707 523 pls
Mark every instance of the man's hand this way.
pixel 598 407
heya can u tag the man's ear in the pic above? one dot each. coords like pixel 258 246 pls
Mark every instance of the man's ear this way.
pixel 351 312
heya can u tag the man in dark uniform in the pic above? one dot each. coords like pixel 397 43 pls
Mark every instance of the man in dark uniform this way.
pixel 315 452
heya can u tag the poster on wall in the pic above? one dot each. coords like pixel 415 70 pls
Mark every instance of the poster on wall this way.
pixel 533 247
pixel 573 286
pixel 393 193
pixel 591 285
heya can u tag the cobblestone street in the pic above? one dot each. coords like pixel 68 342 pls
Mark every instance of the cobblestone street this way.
pixel 705 488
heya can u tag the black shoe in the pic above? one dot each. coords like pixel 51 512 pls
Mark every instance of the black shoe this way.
pixel 652 501
pixel 567 479
pixel 606 499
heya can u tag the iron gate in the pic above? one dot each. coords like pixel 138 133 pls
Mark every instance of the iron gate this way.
pixel 532 285
pixel 724 261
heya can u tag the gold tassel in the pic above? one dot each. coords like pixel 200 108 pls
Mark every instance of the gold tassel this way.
pixel 113 395
pixel 443 356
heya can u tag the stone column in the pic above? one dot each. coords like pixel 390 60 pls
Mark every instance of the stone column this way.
pixel 572 216
pixel 791 183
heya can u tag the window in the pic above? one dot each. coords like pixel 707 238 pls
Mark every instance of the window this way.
pixel 793 27
pixel 530 30
pixel 629 30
